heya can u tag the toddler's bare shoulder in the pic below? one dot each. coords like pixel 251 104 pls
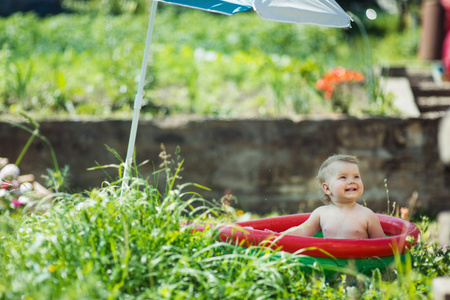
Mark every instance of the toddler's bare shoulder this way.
pixel 322 211
pixel 317 212
pixel 365 210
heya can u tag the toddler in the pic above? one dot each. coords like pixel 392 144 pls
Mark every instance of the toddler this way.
pixel 341 217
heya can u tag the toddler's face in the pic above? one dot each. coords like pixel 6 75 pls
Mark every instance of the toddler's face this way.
pixel 343 182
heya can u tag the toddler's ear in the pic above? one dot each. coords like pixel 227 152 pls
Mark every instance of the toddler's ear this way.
pixel 326 188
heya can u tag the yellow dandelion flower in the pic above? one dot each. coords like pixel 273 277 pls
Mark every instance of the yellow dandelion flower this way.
pixel 51 268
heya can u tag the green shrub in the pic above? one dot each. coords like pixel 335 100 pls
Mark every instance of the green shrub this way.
pixel 222 65
pixel 137 243
pixel 106 246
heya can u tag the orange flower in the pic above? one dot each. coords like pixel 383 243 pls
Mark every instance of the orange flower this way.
pixel 358 76
pixel 329 93
pixel 404 213
pixel 322 84
pixel 334 77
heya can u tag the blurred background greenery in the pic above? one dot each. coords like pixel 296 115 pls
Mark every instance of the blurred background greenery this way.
pixel 86 60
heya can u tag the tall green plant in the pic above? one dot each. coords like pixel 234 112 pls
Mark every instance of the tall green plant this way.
pixel 92 245
pixel 4 65
pixel 96 245
pixel 113 7
pixel 57 179
pixel 22 74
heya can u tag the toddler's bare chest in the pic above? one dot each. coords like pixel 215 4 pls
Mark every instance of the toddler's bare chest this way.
pixel 343 230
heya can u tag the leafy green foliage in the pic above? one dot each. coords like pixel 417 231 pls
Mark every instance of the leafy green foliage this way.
pixel 109 7
pixel 100 245
pixel 430 258
pixel 218 65
pixel 141 245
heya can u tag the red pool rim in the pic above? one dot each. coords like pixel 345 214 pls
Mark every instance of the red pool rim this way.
pixel 397 229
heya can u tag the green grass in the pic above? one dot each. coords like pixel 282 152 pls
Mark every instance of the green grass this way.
pixel 89 64
pixel 99 245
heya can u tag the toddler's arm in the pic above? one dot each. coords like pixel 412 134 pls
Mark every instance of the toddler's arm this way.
pixel 374 228
pixel 308 228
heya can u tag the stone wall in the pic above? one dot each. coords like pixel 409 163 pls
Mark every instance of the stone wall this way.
pixel 267 164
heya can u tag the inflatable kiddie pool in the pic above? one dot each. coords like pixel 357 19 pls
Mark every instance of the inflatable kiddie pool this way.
pixel 366 254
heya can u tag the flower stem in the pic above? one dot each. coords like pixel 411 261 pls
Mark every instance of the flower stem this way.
pixel 41 137
pixel 25 148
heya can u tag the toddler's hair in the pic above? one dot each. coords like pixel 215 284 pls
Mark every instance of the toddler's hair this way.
pixel 323 171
